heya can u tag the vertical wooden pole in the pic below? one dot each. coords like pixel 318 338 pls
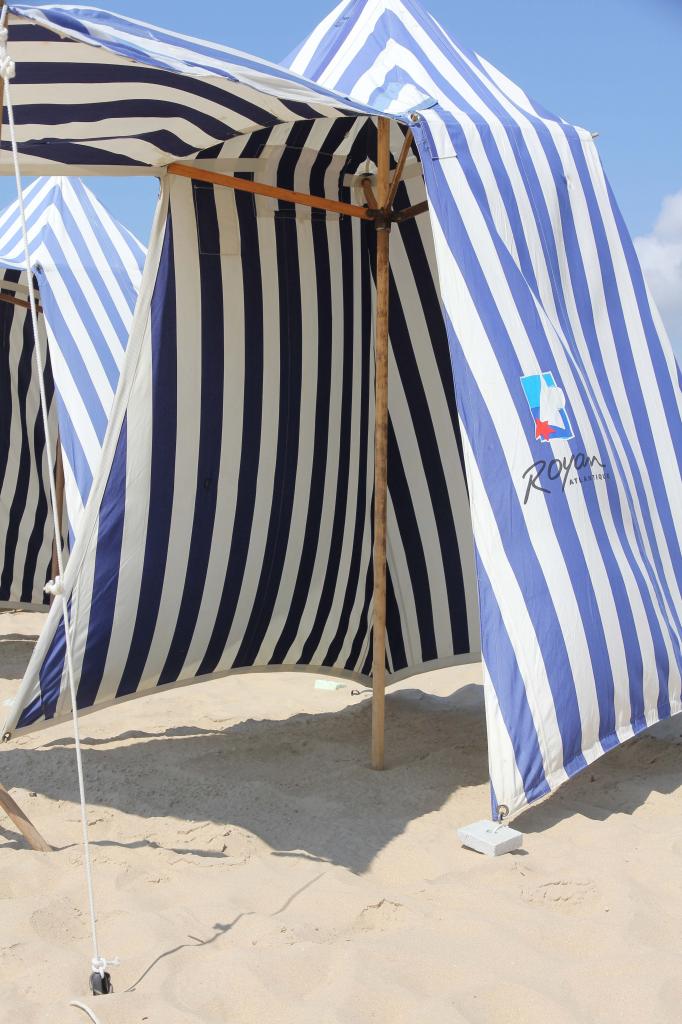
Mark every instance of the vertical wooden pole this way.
pixel 380 447
pixel 59 495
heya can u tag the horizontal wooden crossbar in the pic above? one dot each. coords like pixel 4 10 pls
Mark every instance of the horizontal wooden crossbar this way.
pixel 370 212
pixel 14 301
pixel 272 191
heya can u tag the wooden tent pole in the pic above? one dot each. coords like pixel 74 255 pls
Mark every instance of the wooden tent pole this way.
pixel 59 495
pixel 400 167
pixel 380 446
pixel 7 803
pixel 28 831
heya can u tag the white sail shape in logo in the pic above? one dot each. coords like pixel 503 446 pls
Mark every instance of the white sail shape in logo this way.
pixel 552 402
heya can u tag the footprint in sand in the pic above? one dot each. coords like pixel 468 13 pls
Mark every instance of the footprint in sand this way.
pixel 60 918
pixel 380 917
pixel 565 894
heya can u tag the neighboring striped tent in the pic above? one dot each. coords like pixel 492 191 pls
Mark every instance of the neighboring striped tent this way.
pixel 87 269
pixel 26 532
pixel 229 524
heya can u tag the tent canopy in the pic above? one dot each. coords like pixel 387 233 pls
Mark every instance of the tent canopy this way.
pixel 108 93
pixel 236 531
pixel 87 268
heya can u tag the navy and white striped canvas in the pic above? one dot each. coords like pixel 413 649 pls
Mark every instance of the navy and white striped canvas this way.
pixel 119 94
pixel 236 530
pixel 87 269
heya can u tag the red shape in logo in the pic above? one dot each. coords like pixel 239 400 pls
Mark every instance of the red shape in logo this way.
pixel 543 430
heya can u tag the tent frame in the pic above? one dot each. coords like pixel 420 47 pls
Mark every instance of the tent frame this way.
pixel 379 210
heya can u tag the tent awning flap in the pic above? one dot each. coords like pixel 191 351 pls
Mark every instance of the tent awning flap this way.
pixel 100 90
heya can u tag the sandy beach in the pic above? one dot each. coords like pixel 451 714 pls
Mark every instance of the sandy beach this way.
pixel 249 866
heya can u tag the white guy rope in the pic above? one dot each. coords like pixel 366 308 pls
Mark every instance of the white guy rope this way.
pixel 85 1009
pixel 99 964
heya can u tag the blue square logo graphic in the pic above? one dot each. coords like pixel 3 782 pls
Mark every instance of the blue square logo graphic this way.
pixel 547 404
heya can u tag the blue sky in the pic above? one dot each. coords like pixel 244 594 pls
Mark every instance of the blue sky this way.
pixel 613 66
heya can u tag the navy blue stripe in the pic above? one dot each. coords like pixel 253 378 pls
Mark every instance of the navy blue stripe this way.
pixel 396 655
pixel 36 576
pixel 311 535
pixel 403 349
pixel 49 677
pixel 251 434
pixel 429 297
pixel 213 335
pixel 164 431
pixel 156 110
pixel 105 581
pixel 18 502
pixel 355 569
pixel 408 527
pixel 7 313
pixel 344 385
pixel 286 458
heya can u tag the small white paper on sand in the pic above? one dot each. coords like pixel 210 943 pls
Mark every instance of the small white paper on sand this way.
pixel 329 684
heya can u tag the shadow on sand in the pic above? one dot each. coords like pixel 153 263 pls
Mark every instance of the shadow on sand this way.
pixel 303 784
pixel 617 783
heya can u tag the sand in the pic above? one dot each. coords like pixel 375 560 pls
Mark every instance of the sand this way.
pixel 250 867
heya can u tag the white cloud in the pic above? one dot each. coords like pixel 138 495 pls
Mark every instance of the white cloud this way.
pixel 660 254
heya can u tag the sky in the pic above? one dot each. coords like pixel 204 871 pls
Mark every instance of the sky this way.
pixel 612 66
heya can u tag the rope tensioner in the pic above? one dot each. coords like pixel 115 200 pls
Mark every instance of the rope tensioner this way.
pixel 100 981
pixel 54 587
pixel 7 68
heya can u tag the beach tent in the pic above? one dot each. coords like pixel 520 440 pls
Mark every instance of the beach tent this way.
pixel 236 519
pixel 87 269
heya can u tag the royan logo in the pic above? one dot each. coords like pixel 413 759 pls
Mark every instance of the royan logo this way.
pixel 547 406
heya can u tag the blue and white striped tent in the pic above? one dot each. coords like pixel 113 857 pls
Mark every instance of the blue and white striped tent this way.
pixel 531 502
pixel 87 268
